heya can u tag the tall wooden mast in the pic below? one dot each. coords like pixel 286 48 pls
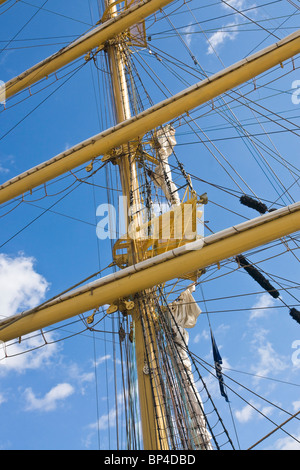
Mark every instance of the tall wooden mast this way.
pixel 152 416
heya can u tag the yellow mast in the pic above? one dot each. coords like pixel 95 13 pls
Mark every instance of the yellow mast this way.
pixel 151 408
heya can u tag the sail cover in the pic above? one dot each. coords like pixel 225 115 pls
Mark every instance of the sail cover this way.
pixel 162 175
pixel 184 313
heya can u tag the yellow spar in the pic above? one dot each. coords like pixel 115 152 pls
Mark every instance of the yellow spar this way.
pixel 153 117
pixel 160 269
pixel 94 39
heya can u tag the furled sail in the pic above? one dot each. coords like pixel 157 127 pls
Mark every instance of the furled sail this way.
pixel 184 313
pixel 162 175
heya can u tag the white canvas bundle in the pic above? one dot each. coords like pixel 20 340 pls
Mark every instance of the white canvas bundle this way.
pixel 183 314
pixel 162 173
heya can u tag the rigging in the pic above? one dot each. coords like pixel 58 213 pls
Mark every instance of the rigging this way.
pixel 279 184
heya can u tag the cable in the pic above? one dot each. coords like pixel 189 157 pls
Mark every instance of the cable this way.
pixel 43 101
pixel 24 26
pixel 274 430
pixel 248 18
pixel 38 217
pixel 55 13
pixel 202 361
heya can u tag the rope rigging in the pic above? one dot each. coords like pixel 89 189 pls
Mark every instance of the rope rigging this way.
pixel 185 408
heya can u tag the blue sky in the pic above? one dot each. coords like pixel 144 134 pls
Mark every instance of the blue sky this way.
pixel 63 395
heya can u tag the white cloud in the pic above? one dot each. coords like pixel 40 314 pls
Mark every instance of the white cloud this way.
pixel 105 421
pixel 103 359
pixel 218 38
pixel 203 335
pixel 35 357
pixel 81 377
pixel 296 406
pixel 21 287
pixel 238 4
pixel 287 443
pixel 50 401
pixel 189 34
pixel 2 399
pixel 268 360
pixel 266 411
pixel 245 414
pixel 249 412
pixel 6 160
pixel 3 170
pixel 261 306
pixel 229 31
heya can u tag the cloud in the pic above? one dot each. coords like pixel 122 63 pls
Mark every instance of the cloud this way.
pixel 6 160
pixel 296 406
pixel 218 38
pixel 245 414
pixel 81 377
pixel 261 306
pixel 102 359
pixel 287 443
pixel 105 421
pixel 50 401
pixel 3 170
pixel 238 4
pixel 2 399
pixel 21 287
pixel 189 33
pixel 227 32
pixel 203 335
pixel 36 356
pixel 248 413
pixel 268 361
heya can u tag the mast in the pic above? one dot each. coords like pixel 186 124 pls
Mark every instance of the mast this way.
pixel 151 408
